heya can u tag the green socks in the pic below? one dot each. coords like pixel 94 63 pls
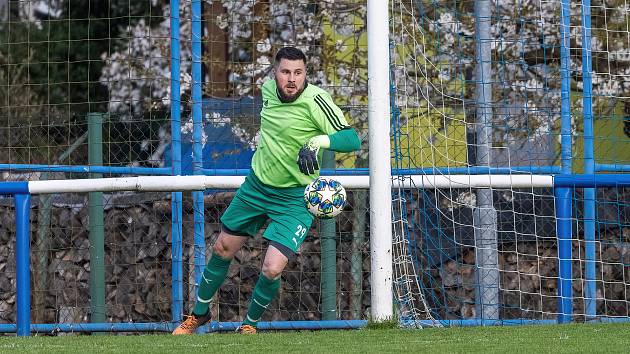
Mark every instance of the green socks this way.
pixel 213 277
pixel 265 290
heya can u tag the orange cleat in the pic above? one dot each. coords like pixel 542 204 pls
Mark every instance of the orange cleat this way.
pixel 191 323
pixel 246 329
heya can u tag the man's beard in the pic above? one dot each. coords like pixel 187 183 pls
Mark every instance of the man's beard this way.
pixel 284 98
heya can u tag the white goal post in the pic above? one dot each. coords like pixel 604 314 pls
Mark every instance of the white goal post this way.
pixel 379 160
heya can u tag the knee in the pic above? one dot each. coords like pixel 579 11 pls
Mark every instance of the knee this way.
pixel 272 270
pixel 221 249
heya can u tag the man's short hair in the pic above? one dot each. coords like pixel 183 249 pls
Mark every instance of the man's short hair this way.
pixel 290 53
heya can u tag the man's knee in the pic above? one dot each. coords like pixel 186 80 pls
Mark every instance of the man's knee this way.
pixel 274 263
pixel 227 245
pixel 272 271
pixel 221 249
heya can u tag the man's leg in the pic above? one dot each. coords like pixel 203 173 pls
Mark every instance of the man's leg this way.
pixel 216 270
pixel 266 288
pixel 213 276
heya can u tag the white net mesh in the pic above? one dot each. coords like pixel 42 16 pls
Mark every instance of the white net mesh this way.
pixel 469 102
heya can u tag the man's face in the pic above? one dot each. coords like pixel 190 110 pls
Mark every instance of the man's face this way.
pixel 290 78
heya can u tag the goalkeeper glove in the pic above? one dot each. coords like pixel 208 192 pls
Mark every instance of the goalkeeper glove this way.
pixel 307 157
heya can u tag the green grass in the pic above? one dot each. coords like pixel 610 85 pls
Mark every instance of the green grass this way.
pixel 576 338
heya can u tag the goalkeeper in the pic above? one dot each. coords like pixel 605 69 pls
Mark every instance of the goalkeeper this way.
pixel 296 121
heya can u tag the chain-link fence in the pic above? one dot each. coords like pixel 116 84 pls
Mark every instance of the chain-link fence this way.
pixel 75 75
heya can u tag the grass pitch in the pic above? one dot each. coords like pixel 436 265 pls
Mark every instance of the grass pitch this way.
pixel 573 338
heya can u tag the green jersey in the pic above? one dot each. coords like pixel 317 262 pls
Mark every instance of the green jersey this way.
pixel 285 127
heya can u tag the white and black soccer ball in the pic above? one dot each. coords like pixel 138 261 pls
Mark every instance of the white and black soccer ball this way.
pixel 325 197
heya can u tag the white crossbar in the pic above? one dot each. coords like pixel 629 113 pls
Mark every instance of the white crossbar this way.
pixel 191 183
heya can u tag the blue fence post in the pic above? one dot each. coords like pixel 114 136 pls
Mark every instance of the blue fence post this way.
pixel 565 268
pixel 590 288
pixel 563 195
pixel 22 263
pixel 176 149
pixel 198 208
pixel 566 145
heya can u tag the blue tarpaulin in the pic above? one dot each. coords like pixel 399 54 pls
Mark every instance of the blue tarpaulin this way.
pixel 223 149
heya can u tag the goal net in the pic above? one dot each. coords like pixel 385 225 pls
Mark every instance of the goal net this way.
pixel 477 89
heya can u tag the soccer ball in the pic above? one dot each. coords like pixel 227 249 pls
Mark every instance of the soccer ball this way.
pixel 325 197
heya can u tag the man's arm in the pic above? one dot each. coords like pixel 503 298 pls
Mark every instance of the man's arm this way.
pixel 338 135
pixel 345 140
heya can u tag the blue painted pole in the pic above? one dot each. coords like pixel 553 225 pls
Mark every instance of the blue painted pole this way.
pixel 474 170
pixel 22 263
pixel 592 181
pixel 566 154
pixel 352 171
pixel 274 326
pixel 590 289
pixel 167 327
pixel 87 169
pixel 563 196
pixel 198 208
pixel 12 188
pixel 565 269
pixel 176 208
pixel 611 167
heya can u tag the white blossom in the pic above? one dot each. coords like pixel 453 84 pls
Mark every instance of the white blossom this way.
pixel 138 74
pixel 35 11
pixel 263 45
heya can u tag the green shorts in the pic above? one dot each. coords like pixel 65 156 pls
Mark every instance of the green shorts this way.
pixel 255 203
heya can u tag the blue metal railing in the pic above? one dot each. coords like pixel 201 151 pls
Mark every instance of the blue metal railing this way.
pixel 176 163
pixel 563 186
pixel 198 201
pixel 87 169
pixel 563 195
pixel 22 201
pixel 590 288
